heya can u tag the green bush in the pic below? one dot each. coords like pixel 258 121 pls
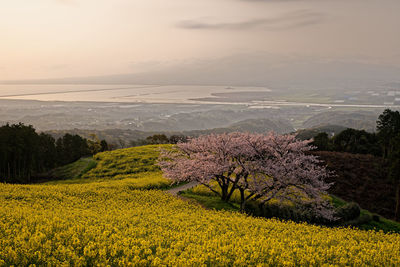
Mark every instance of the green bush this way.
pixel 363 219
pixel 287 212
pixel 348 212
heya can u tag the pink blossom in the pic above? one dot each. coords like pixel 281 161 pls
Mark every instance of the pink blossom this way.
pixel 261 166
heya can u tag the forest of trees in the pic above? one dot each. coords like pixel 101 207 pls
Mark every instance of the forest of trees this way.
pixel 157 139
pixel 24 153
pixel 384 143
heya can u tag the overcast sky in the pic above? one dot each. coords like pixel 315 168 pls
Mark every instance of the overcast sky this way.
pixel 61 38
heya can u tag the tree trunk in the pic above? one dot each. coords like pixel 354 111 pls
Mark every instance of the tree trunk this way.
pixel 397 211
pixel 224 193
pixel 242 200
pixel 9 171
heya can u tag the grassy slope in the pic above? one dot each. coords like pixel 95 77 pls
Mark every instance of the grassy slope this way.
pixel 362 179
pixel 383 223
pixel 74 170
pixel 135 166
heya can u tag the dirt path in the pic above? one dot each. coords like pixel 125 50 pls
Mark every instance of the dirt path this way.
pixel 174 191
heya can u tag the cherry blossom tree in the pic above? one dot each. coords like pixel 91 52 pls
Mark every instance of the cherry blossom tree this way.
pixel 261 167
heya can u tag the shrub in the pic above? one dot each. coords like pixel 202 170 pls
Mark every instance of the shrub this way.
pixel 286 211
pixel 348 212
pixel 363 219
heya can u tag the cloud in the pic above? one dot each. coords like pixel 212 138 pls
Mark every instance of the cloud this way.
pixel 296 19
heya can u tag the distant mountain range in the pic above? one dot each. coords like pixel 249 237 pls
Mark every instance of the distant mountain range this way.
pixel 275 71
pixel 331 130
pixel 123 137
pixel 362 120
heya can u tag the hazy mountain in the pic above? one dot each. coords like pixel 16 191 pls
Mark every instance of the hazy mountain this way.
pixel 249 125
pixel 283 72
pixel 122 137
pixel 362 120
pixel 305 134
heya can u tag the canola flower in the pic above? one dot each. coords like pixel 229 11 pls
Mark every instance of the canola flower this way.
pixel 108 223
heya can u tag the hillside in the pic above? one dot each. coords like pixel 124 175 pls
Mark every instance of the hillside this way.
pixel 132 166
pixel 361 120
pixel 358 178
pixel 249 125
pixel 306 134
pixel 70 171
pixel 362 179
pixel 109 216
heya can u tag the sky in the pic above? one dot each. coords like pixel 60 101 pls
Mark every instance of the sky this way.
pixel 67 38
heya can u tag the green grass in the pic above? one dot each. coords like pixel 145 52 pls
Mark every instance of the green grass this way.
pixel 125 163
pixel 73 170
pixel 383 224
pixel 134 166
pixel 210 201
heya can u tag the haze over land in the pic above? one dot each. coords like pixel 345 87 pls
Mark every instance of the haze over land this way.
pixel 198 65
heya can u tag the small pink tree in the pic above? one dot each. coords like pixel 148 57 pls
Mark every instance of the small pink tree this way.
pixel 261 167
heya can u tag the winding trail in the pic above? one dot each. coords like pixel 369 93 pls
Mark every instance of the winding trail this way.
pixel 174 191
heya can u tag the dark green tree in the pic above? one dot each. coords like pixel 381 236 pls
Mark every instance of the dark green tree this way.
pixel 94 144
pixel 157 139
pixel 174 139
pixel 394 171
pixel 71 148
pixel 24 153
pixel 104 145
pixel 357 142
pixel 322 142
pixel 47 151
pixel 388 126
pixel 351 141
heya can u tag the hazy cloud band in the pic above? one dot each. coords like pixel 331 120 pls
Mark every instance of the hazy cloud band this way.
pixel 290 20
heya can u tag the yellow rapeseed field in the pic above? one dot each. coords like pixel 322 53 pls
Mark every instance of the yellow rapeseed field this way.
pixel 110 224
pixel 115 222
